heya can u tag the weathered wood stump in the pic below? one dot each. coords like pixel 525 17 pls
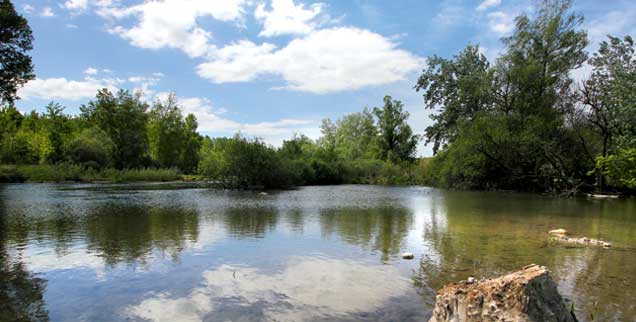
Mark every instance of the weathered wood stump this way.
pixel 526 295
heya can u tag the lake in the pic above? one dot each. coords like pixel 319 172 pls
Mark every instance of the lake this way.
pixel 165 252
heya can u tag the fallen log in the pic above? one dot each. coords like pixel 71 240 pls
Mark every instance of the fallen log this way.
pixel 526 295
pixel 581 241
pixel 561 235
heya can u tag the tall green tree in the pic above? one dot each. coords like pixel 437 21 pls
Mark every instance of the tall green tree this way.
pixel 16 40
pixel 609 96
pixel 166 132
pixel 609 108
pixel 506 124
pixel 357 136
pixel 397 141
pixel 57 129
pixel 191 145
pixel 540 55
pixel 459 88
pixel 124 119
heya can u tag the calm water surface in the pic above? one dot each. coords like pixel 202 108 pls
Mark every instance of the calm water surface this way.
pixel 151 253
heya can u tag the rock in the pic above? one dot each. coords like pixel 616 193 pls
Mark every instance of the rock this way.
pixel 263 193
pixel 528 295
pixel 408 256
pixel 470 280
pixel 558 232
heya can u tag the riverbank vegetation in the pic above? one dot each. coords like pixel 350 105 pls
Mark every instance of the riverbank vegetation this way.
pixel 119 137
pixel 520 121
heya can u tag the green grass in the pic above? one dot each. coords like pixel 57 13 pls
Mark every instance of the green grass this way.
pixel 76 173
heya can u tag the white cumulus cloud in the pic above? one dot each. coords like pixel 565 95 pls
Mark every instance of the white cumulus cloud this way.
pixel 501 22
pixel 285 17
pixel 62 88
pixel 76 5
pixel 172 23
pixel 488 4
pixel 27 8
pixel 326 60
pixel 90 71
pixel 47 12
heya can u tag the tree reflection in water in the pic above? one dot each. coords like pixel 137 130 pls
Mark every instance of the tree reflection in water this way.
pixel 381 229
pixel 21 292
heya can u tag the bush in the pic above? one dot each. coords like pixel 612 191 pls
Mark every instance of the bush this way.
pixel 619 169
pixel 9 173
pixel 92 148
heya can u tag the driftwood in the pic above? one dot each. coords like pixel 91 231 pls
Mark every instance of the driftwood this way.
pixel 561 235
pixel 526 295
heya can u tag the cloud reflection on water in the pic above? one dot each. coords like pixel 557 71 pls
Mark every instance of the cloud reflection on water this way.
pixel 307 288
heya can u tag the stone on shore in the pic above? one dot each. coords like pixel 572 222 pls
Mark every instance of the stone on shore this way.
pixel 528 295
pixel 408 256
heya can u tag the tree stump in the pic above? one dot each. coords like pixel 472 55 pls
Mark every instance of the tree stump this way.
pixel 525 295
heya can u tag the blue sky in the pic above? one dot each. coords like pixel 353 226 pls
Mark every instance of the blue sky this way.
pixel 273 67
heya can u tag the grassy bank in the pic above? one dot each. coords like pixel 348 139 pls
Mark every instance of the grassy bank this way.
pixel 70 172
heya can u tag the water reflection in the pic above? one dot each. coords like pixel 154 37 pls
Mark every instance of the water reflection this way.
pixel 116 233
pixel 21 292
pixel 131 233
pixel 382 229
pixel 95 253
pixel 484 235
pixel 250 222
pixel 308 288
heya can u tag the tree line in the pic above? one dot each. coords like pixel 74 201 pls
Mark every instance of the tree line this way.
pixel 122 131
pixel 520 122
pixel 523 123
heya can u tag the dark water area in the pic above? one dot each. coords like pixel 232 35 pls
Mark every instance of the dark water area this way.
pixel 171 253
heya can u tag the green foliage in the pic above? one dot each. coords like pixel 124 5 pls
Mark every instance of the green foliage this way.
pixel 17 149
pixel 135 175
pixel 63 172
pixel 397 142
pixel 58 129
pixel 10 173
pixel 512 125
pixel 16 40
pixel 243 163
pixel 190 146
pixel 51 172
pixel 357 136
pixel 619 169
pixel 124 119
pixel 92 148
pixel 463 86
pixel 166 132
